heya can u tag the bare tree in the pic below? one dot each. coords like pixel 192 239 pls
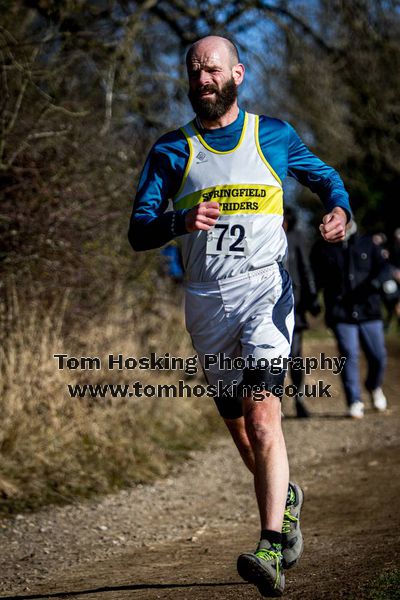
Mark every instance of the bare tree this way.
pixel 86 87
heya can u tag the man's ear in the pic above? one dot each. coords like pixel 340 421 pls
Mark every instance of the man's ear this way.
pixel 238 73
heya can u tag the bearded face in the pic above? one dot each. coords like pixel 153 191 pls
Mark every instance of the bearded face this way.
pixel 209 108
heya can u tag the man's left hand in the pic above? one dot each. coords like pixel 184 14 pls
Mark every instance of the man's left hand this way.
pixel 333 227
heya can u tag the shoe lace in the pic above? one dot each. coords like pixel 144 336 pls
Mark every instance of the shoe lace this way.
pixel 288 519
pixel 271 555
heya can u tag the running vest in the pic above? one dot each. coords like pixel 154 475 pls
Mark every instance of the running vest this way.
pixel 248 234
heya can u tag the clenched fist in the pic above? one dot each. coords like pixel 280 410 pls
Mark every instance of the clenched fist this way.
pixel 333 227
pixel 202 217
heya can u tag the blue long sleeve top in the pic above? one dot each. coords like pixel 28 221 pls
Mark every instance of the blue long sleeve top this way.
pixel 152 226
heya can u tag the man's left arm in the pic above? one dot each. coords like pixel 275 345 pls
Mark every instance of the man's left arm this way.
pixel 323 180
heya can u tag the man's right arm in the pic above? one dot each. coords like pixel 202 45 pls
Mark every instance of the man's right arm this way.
pixel 150 226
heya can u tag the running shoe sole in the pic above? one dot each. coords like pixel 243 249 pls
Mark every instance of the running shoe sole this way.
pixel 251 570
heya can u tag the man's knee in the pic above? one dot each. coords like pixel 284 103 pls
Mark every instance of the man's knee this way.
pixel 263 421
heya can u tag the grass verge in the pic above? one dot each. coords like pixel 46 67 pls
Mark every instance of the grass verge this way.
pixel 385 587
pixel 57 449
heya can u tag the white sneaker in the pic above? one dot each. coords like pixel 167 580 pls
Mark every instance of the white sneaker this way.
pixel 356 410
pixel 379 399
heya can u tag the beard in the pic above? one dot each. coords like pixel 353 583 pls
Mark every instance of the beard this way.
pixel 210 109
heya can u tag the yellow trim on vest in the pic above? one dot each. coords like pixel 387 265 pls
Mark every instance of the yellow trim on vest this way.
pixel 245 199
pixel 256 128
pixel 188 164
pixel 203 141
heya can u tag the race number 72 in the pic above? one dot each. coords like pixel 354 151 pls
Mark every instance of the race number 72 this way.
pixel 226 238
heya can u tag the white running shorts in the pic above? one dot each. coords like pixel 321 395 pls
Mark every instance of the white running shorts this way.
pixel 250 315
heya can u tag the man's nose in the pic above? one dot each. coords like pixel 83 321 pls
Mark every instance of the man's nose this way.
pixel 204 78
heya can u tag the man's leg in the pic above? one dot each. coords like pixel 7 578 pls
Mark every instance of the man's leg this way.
pixel 267 336
pixel 292 538
pixel 259 438
pixel 271 477
pixel 271 468
pixel 237 429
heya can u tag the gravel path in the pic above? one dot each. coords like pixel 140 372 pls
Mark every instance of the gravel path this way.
pixel 208 497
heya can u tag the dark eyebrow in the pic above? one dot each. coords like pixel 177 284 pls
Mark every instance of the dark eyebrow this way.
pixel 198 66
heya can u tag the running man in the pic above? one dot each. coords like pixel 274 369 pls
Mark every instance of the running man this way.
pixel 223 172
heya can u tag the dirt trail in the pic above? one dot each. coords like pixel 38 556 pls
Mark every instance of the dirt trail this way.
pixel 180 537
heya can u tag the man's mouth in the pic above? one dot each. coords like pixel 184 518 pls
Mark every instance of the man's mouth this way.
pixel 206 93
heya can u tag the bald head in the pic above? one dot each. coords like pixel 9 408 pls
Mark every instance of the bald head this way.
pixel 214 43
pixel 214 75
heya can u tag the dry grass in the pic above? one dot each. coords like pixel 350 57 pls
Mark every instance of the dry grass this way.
pixel 56 449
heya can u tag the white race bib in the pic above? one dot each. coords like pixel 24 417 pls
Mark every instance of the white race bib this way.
pixel 229 238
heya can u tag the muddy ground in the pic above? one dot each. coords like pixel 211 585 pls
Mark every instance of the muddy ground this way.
pixel 179 538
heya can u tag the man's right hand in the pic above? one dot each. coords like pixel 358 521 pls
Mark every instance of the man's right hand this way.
pixel 202 217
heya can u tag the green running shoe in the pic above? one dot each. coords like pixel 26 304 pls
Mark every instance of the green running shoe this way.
pixel 264 569
pixel 292 539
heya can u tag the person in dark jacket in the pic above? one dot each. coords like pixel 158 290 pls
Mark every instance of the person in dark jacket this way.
pixel 352 274
pixel 305 298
